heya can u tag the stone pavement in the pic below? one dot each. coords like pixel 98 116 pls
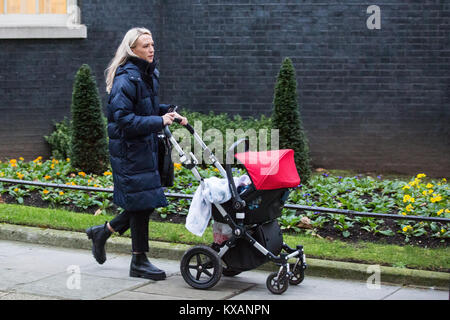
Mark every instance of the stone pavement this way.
pixel 36 271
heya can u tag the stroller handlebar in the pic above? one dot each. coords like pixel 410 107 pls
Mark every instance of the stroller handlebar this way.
pixel 238 203
pixel 178 120
pixel 187 126
pixel 174 108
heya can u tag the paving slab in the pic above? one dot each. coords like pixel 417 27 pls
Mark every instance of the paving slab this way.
pixel 24 264
pixel 313 288
pixel 35 271
pixel 136 295
pixel 175 286
pixel 419 294
pixel 24 296
pixel 90 287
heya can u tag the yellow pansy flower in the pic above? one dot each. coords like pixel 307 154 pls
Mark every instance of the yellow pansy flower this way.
pixel 414 183
pixel 177 166
pixel 440 212
pixel 81 173
pixel 408 198
pixel 45 191
pixel 421 175
pixel 429 186
pixel 107 173
pixel 409 207
pixel 61 193
pixel 406 228
pixel 436 199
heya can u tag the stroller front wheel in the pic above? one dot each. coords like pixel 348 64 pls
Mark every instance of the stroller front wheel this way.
pixel 277 284
pixel 201 267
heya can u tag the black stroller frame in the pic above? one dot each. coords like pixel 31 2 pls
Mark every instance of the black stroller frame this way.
pixel 202 266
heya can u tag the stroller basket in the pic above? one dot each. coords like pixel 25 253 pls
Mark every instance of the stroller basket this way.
pixel 245 257
pixel 251 214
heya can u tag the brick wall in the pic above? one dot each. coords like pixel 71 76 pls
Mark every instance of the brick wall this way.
pixel 371 100
pixel 37 75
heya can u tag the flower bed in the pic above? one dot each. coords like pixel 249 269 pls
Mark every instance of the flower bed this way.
pixel 420 196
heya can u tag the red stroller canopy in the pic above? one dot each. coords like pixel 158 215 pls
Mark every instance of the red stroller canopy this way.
pixel 273 169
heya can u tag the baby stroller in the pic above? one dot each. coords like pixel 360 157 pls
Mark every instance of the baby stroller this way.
pixel 251 215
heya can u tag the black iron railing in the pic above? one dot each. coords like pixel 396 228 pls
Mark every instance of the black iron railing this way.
pixel 287 206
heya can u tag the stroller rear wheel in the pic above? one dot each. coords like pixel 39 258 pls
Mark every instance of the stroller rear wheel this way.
pixel 298 274
pixel 277 283
pixel 201 267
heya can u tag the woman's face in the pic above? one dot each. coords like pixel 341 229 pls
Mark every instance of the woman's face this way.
pixel 145 48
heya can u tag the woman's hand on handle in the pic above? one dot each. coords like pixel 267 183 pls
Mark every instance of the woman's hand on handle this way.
pixel 168 118
pixel 183 121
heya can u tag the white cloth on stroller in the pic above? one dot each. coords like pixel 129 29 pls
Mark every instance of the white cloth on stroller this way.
pixel 214 190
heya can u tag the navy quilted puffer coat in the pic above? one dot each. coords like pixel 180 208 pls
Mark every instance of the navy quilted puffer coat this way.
pixel 134 119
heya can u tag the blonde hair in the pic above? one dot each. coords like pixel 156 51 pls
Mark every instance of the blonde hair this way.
pixel 123 53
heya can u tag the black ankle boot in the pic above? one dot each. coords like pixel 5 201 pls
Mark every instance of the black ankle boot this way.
pixel 99 235
pixel 142 268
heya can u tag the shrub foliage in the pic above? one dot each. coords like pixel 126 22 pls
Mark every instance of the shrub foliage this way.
pixel 286 117
pixel 88 144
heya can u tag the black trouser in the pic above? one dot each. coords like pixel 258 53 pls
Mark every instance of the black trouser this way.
pixel 137 221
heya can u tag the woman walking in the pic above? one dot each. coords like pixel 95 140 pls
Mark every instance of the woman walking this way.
pixel 135 116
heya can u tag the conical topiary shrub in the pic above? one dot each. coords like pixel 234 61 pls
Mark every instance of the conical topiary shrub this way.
pixel 89 149
pixel 286 117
